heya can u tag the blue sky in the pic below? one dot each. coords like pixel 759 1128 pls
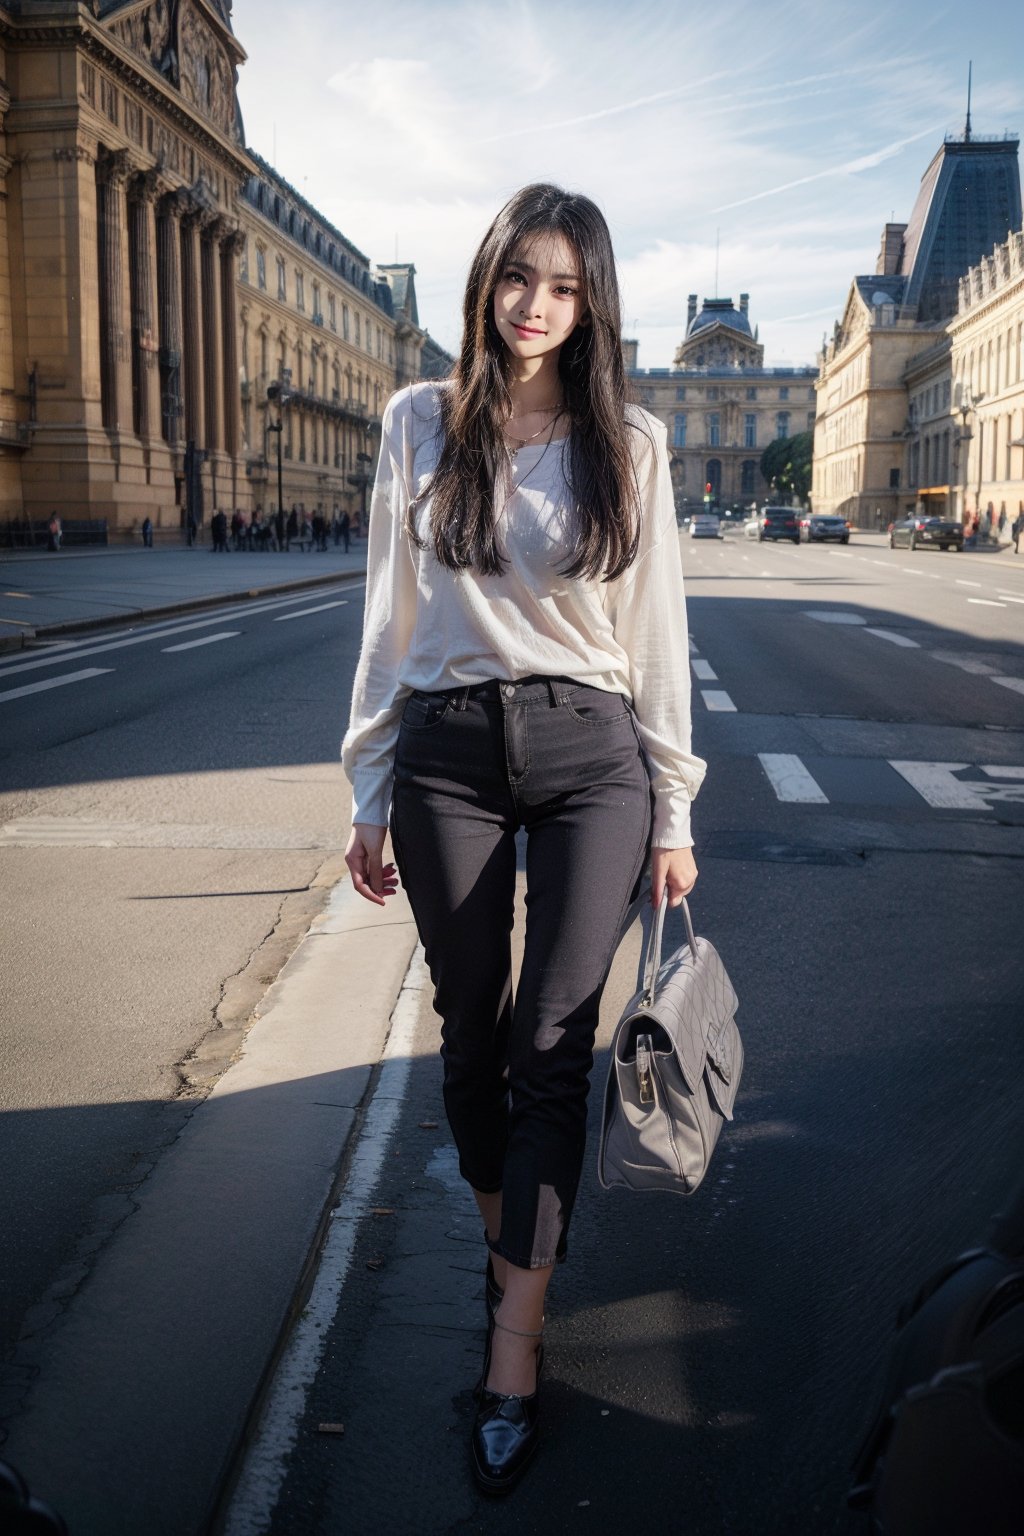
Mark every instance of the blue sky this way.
pixel 786 132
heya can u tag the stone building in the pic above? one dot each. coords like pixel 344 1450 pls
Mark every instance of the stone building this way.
pixel 156 277
pixel 890 339
pixel 986 361
pixel 721 405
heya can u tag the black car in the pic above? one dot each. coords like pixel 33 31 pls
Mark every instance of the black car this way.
pixel 821 526
pixel 919 530
pixel 778 523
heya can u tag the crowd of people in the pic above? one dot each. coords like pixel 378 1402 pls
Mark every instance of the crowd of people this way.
pixel 248 531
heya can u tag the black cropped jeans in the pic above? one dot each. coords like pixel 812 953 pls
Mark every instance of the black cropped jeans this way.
pixel 472 766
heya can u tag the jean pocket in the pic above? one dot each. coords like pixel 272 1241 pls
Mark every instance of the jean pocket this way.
pixel 596 706
pixel 424 711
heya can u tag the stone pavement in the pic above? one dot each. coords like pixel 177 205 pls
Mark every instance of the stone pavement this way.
pixel 43 595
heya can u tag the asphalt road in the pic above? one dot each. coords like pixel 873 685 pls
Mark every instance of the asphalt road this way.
pixel 712 1362
pixel 166 815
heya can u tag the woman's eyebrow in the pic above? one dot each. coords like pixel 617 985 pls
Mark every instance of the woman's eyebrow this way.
pixel 557 277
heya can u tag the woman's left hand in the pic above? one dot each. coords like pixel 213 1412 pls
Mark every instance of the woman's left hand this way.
pixel 674 868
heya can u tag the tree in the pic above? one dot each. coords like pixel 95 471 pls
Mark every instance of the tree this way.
pixel 787 462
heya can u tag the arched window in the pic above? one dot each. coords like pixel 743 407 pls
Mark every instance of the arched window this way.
pixel 713 477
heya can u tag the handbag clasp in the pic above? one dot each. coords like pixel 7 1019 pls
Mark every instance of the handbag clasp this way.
pixel 644 1052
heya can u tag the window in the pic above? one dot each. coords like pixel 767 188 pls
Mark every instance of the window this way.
pixel 332 312
pixel 282 279
pixel 317 312
pixel 782 424
pixel 243 264
pixel 369 338
pixel 750 431
pixel 679 432
pixel 810 421
pixel 784 392
pixel 810 393
pixel 380 345
pixel 344 322
pixel 747 474
pixel 713 393
pixel 359 330
pixel 714 429
pixel 751 394
pixel 894 479
pixel 261 267
pixel 681 392
pixel 300 290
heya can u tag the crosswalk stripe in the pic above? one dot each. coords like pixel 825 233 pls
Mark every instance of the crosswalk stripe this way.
pixel 935 783
pixel 52 682
pixel 704 671
pixel 790 780
pixel 1016 683
pixel 891 635
pixel 717 699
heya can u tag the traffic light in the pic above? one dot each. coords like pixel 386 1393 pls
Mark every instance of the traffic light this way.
pixel 707 492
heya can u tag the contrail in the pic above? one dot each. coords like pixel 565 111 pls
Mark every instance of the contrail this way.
pixel 848 168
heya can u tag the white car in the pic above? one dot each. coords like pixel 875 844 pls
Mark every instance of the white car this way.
pixel 704 525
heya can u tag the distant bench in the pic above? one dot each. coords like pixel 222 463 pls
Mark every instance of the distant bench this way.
pixel 23 534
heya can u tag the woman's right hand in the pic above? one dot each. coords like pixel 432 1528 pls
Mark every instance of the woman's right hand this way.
pixel 364 855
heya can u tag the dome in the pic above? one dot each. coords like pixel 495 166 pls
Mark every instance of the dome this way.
pixel 720 312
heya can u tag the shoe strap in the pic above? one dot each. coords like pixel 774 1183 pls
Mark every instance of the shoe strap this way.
pixel 518 1331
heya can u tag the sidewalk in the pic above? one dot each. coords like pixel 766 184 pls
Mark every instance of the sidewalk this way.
pixel 45 595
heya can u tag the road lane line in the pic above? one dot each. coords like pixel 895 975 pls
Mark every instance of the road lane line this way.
pixel 266 1461
pixel 1009 597
pixel 1016 683
pixel 962 583
pixel 718 700
pixel 52 682
pixel 704 671
pixel 191 645
pixel 790 780
pixel 282 618
pixel 986 602
pixel 893 637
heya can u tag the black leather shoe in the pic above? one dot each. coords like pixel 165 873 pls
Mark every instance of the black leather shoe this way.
pixel 505 1437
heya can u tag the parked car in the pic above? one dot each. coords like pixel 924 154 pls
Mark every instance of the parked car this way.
pixel 919 530
pixel 704 525
pixel 822 526
pixel 778 523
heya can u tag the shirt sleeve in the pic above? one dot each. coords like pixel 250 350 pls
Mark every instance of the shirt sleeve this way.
pixel 368 750
pixel 647 606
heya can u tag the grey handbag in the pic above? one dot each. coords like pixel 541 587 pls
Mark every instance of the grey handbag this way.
pixel 676 1059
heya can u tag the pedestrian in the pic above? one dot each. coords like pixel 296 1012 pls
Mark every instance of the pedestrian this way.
pixel 191 528
pixel 147 532
pixel 219 531
pixel 345 527
pixel 279 522
pixel 335 527
pixel 236 530
pixel 293 527
pixel 54 533
pixel 318 531
pixel 524 663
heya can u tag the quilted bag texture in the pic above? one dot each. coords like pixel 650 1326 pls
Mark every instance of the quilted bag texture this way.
pixel 676 1060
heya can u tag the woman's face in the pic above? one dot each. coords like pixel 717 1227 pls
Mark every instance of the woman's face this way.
pixel 538 302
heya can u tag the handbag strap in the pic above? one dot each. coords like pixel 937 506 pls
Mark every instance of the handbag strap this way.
pixel 652 958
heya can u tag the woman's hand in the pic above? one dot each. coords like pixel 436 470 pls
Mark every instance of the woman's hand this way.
pixel 364 854
pixel 674 868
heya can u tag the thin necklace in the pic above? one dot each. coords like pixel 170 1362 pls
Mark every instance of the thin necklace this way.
pixel 522 442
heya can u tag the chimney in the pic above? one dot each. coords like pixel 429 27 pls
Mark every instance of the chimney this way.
pixel 891 252
pixel 629 352
pixel 691 309
pixel 744 303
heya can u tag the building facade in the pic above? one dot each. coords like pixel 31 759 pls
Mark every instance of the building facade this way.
pixel 872 453
pixel 722 406
pixel 156 276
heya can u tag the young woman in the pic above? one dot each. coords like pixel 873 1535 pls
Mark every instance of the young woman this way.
pixel 524 665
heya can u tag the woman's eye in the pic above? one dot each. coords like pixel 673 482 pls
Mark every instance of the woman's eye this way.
pixel 514 277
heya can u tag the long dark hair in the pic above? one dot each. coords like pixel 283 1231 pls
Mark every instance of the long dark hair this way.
pixel 601 476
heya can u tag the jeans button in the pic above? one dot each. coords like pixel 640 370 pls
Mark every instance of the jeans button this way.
pixel 508 690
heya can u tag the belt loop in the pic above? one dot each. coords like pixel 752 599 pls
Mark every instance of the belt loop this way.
pixel 461 698
pixel 554 691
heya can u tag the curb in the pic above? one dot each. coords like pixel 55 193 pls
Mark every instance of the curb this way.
pixel 168 610
pixel 166 1351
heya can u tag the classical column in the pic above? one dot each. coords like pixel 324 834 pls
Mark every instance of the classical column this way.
pixel 191 334
pixel 168 237
pixel 142 190
pixel 230 248
pixel 213 380
pixel 112 167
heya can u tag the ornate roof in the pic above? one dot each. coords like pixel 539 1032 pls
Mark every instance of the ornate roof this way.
pixel 719 312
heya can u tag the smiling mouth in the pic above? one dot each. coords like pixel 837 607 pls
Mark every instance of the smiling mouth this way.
pixel 527 330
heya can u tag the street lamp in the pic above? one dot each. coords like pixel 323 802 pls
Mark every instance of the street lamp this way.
pixel 362 480
pixel 279 393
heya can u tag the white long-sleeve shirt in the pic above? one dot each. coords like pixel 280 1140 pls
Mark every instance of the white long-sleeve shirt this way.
pixel 429 628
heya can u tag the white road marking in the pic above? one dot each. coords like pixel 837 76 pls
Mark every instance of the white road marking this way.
pixel 913 570
pixel 891 635
pixel 266 1462
pixel 162 631
pixel 936 784
pixel 52 682
pixel 886 563
pixel 282 618
pixel 790 780
pixel 962 583
pixel 965 663
pixel 1010 597
pixel 693 645
pixel 986 602
pixel 828 616
pixel 717 700
pixel 704 671
pixel 994 771
pixel 1016 683
pixel 191 645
